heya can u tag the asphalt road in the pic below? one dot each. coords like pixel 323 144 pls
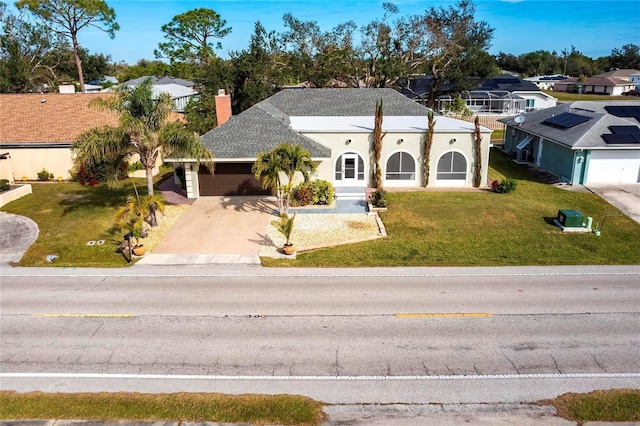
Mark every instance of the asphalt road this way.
pixel 341 338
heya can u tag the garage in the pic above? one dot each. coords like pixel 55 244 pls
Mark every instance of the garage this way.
pixel 609 166
pixel 229 179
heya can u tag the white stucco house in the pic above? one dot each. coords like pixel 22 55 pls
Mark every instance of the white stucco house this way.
pixel 336 127
pixel 580 142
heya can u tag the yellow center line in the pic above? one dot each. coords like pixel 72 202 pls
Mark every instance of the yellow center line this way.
pixel 445 315
pixel 86 315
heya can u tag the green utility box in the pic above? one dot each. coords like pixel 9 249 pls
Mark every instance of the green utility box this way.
pixel 570 218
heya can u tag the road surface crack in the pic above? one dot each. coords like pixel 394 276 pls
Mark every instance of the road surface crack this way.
pixel 555 362
pixel 512 364
pixel 598 364
pixel 336 361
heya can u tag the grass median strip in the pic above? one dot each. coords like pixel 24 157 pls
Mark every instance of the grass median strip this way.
pixel 189 407
pixel 614 405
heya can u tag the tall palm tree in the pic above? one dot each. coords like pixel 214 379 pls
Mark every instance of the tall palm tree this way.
pixel 285 159
pixel 143 129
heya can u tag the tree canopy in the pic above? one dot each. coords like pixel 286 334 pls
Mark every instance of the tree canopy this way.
pixel 190 37
pixel 68 17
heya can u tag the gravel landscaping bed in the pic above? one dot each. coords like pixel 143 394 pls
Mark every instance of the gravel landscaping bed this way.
pixel 313 231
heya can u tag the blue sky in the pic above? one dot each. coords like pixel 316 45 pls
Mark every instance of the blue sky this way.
pixel 593 27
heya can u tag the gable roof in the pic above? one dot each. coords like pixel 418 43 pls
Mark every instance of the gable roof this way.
pixel 618 73
pixel 592 121
pixel 49 117
pixel 597 81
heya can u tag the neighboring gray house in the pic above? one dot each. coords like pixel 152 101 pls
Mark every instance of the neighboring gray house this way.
pixel 181 91
pixel 336 126
pixel 581 142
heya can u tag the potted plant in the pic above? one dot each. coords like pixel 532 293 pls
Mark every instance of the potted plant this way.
pixel 285 227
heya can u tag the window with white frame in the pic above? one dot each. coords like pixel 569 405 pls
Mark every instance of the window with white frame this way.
pixel 452 166
pixel 401 166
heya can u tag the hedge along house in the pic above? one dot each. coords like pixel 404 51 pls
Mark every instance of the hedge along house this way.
pixel 581 142
pixel 336 127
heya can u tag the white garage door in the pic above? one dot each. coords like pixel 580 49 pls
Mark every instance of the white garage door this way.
pixel 614 167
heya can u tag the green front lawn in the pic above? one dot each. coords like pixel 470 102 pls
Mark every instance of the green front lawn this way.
pixel 68 216
pixel 570 97
pixel 485 228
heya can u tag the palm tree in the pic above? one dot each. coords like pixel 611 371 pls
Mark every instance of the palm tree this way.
pixel 284 159
pixel 143 129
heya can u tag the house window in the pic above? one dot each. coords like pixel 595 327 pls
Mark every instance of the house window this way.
pixel 401 166
pixel 452 166
pixel 530 103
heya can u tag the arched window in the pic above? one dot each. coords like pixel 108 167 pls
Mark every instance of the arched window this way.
pixel 401 166
pixel 452 166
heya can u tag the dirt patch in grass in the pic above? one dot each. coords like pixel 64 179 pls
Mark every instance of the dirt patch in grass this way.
pixel 615 405
pixel 183 407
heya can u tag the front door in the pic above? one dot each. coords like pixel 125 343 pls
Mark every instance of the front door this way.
pixel 350 169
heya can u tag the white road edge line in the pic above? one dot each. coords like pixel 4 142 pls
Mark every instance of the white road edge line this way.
pixel 321 378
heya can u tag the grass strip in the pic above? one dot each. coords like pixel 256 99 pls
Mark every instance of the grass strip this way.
pixel 191 407
pixel 616 405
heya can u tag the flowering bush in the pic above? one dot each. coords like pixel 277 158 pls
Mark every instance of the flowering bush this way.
pixel 96 173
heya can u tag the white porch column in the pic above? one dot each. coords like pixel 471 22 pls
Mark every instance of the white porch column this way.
pixel 191 180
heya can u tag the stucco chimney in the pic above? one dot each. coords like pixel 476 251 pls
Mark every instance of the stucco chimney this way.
pixel 223 107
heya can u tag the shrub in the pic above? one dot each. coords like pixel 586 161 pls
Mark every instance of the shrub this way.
pixel 44 174
pixel 4 185
pixel 317 192
pixel 303 195
pixel 135 167
pixel 96 173
pixel 322 192
pixel 379 198
pixel 505 186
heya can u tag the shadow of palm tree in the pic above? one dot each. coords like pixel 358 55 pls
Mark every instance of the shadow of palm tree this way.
pixel 250 203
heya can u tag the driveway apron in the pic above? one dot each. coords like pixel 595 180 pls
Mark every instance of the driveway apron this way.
pixel 216 230
pixel 626 197
pixel 17 233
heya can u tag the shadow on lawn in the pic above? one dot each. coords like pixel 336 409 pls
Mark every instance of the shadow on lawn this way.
pixel 98 196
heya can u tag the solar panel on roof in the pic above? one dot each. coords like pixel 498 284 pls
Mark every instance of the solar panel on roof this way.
pixel 566 120
pixel 624 129
pixel 622 138
pixel 624 111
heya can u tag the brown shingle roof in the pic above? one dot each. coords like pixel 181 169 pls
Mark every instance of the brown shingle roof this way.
pixel 620 73
pixel 25 118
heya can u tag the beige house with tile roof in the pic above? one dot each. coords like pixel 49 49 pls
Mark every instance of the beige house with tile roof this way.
pixel 599 85
pixel 38 130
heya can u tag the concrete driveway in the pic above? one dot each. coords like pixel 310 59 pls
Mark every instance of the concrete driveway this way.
pixel 626 197
pixel 17 233
pixel 216 230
